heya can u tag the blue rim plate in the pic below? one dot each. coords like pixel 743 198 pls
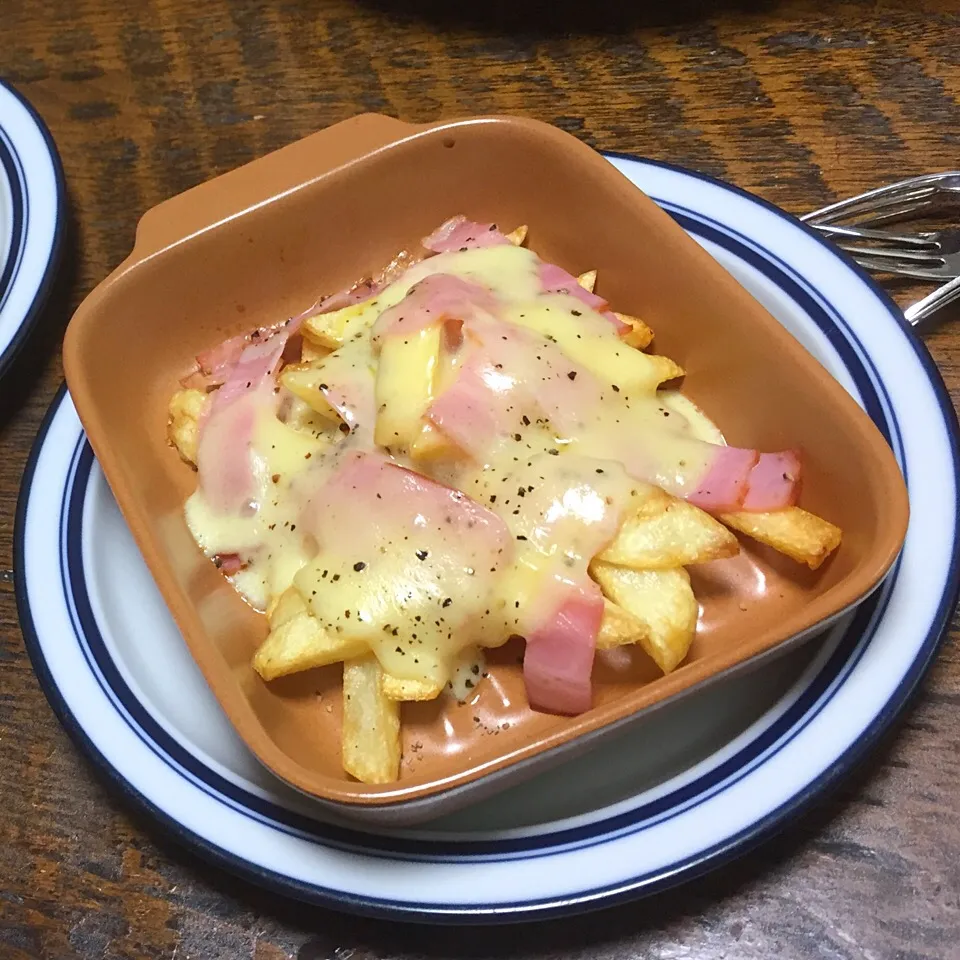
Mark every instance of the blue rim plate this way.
pixel 32 216
pixel 695 785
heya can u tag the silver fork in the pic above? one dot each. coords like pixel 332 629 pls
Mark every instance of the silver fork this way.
pixel 929 255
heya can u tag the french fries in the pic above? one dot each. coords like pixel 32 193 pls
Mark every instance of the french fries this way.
pixel 304 380
pixel 371 724
pixel 588 280
pixel 665 532
pixel 516 237
pixel 398 688
pixel 639 334
pixel 661 601
pixel 405 386
pixel 648 598
pixel 431 444
pixel 182 424
pixel 328 331
pixel 618 627
pixel 802 536
pixel 296 641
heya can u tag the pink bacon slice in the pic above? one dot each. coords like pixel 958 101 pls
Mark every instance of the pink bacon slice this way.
pixel 438 298
pixel 774 482
pixel 380 502
pixel 555 279
pixel 458 233
pixel 558 661
pixel 724 485
pixel 224 462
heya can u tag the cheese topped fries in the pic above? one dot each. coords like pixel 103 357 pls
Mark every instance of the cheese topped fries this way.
pixel 469 448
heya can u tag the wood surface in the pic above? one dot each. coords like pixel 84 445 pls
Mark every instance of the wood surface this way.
pixel 801 102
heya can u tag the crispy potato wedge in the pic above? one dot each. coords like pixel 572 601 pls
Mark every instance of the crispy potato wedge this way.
pixel 297 642
pixel 398 688
pixel 301 416
pixel 662 600
pixel 517 236
pixel 802 536
pixel 182 425
pixel 588 280
pixel 631 370
pixel 432 444
pixel 665 532
pixel 284 607
pixel 371 724
pixel 639 335
pixel 331 330
pixel 618 627
pixel 304 380
pixel 406 376
pixel 310 352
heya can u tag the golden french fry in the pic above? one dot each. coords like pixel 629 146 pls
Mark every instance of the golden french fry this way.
pixel 405 385
pixel 304 380
pixel 296 641
pixel 432 444
pixel 182 425
pixel 310 352
pixel 802 536
pixel 333 329
pixel 632 371
pixel 516 237
pixel 284 607
pixel 665 532
pixel 399 688
pixel 639 335
pixel 588 280
pixel 303 418
pixel 618 627
pixel 371 724
pixel 662 600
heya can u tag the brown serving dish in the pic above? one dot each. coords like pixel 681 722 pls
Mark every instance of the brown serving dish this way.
pixel 263 242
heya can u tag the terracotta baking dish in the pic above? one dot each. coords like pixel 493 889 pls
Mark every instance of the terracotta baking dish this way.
pixel 262 243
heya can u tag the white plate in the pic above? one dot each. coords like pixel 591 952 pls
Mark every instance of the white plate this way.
pixel 32 213
pixel 691 787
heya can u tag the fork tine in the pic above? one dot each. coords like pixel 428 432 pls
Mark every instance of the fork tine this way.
pixel 879 266
pixel 910 192
pixel 917 241
pixel 887 255
pixel 874 209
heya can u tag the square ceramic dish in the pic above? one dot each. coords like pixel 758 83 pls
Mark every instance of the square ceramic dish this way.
pixel 261 243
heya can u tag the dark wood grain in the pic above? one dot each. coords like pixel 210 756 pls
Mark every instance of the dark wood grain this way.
pixel 799 101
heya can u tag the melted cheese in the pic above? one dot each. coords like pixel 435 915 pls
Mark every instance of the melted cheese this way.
pixel 420 587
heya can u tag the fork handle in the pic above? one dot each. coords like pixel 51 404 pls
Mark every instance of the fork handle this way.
pixel 933 301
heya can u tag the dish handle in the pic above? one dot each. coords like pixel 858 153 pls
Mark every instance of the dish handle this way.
pixel 262 180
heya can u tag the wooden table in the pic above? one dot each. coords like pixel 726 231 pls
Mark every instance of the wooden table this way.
pixel 801 102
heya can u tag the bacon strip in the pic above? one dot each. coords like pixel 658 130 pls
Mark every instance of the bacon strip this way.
pixel 558 660
pixel 224 464
pixel 459 233
pixel 774 482
pixel 555 279
pixel 436 298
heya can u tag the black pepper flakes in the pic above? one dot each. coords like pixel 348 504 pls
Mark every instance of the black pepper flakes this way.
pixel 359 565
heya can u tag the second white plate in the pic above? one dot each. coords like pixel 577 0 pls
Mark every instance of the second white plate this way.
pixel 692 786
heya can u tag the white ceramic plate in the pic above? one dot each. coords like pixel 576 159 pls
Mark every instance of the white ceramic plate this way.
pixel 691 787
pixel 32 213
